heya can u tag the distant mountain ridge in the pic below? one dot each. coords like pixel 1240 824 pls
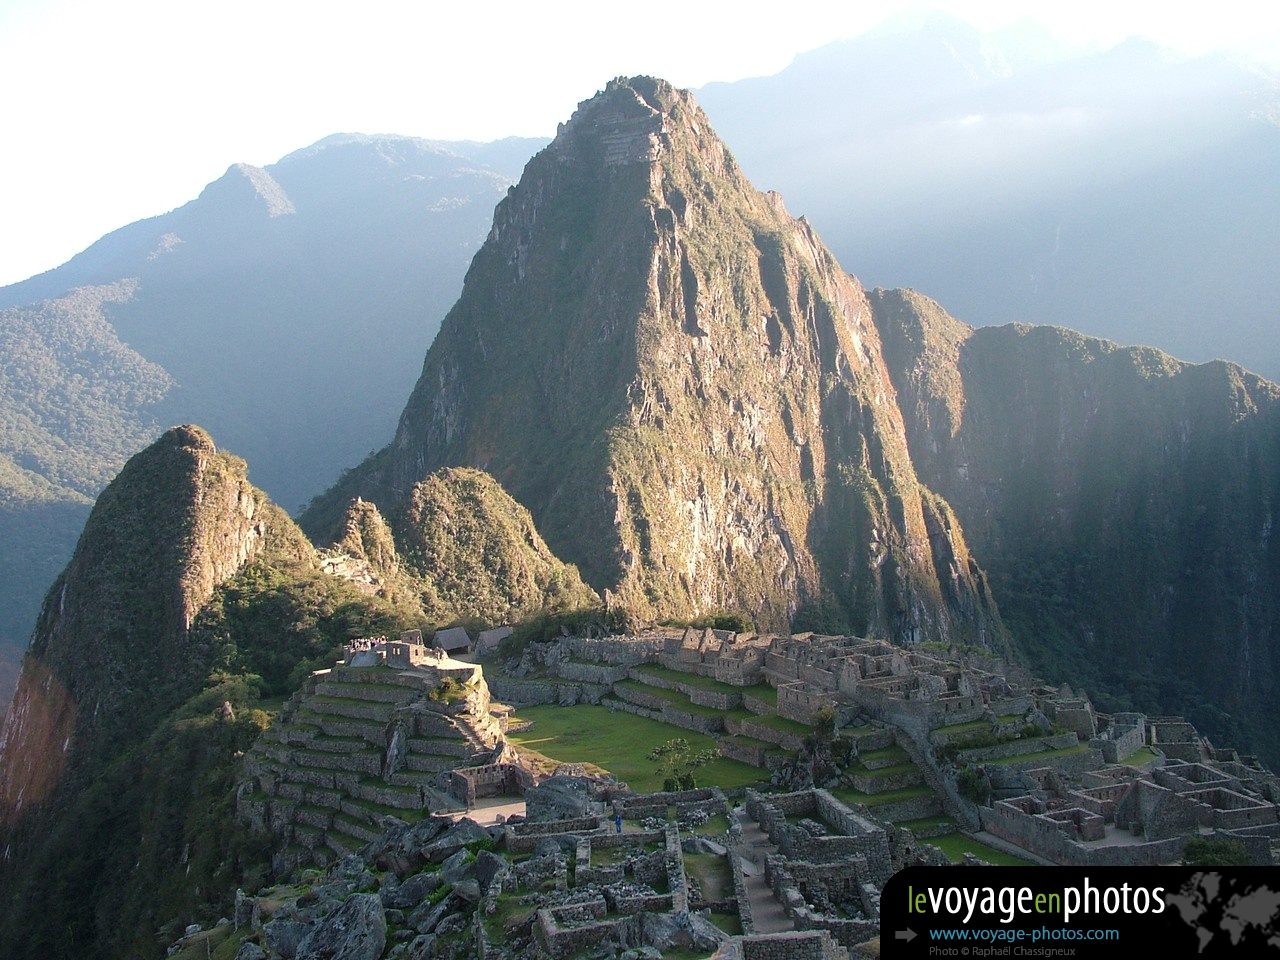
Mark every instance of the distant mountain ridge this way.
pixel 1129 193
pixel 285 308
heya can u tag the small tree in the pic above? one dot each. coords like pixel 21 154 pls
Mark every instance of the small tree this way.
pixel 677 762
pixel 824 724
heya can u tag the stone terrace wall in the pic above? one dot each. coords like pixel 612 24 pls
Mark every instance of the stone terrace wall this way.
pixel 600 673
pixel 798 945
pixel 761 731
pixel 625 651
pixel 565 693
pixel 710 800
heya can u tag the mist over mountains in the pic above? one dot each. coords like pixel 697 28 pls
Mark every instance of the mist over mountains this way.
pixel 1130 193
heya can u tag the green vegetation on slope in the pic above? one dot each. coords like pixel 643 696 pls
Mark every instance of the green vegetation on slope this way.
pixel 475 553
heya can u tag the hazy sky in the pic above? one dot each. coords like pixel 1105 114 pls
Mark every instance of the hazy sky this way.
pixel 115 110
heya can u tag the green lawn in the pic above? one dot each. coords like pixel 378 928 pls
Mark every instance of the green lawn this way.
pixel 620 743
pixel 927 823
pixel 956 845
pixel 1140 757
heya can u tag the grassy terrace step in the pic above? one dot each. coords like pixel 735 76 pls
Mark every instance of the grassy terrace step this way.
pixel 358 830
pixel 325 759
pixel 431 763
pixel 695 680
pixel 364 811
pixel 884 773
pixel 885 758
pixel 781 724
pixel 440 746
pixel 751 743
pixel 677 700
pixel 414 778
pixel 857 733
pixel 850 795
pixel 351 707
pixel 956 845
pixel 341 845
pixel 762 692
pixel 926 824
pixel 958 729
pixel 312 815
pixel 325 744
pixel 620 743
pixel 1040 755
pixel 373 731
pixel 1140 757
pixel 381 692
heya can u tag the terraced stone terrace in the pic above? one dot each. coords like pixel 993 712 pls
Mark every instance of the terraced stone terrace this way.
pixel 359 743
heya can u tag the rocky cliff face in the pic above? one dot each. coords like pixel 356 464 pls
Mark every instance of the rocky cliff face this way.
pixel 686 391
pixel 1122 500
pixel 113 649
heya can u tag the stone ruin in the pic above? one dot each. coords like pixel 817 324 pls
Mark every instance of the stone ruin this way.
pixel 395 729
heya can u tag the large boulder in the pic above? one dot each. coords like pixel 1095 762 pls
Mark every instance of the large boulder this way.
pixel 356 931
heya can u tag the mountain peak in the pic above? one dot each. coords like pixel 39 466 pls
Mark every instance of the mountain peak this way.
pixel 113 647
pixel 636 120
pixel 684 389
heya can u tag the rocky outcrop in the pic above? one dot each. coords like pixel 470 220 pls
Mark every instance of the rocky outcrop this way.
pixel 685 390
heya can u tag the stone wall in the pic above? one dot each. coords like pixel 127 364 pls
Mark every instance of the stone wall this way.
pixel 597 673
pixel 1127 734
pixel 800 701
pixel 490 780
pixel 526 692
pixel 756 705
pixel 626 651
pixel 1045 839
pixel 791 881
pixel 753 754
pixel 798 945
pixel 759 731
pixel 853 835
pixel 711 800
pixel 524 837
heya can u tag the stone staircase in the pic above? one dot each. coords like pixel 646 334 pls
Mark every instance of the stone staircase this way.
pixel 356 744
